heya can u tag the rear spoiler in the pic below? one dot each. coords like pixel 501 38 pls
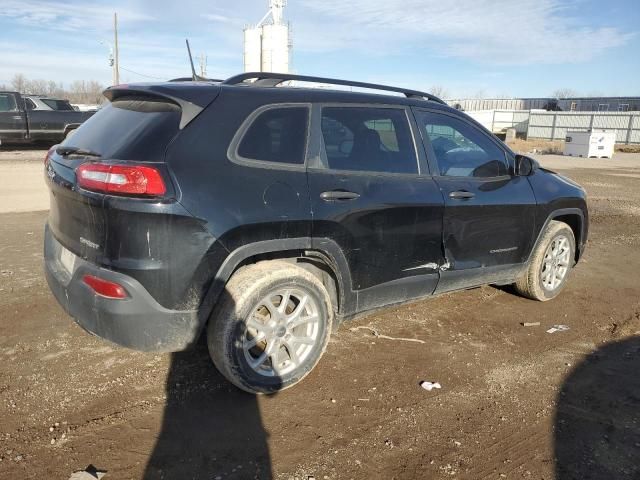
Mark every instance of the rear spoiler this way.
pixel 192 99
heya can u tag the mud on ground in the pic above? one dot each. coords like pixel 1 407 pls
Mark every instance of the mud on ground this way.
pixel 515 402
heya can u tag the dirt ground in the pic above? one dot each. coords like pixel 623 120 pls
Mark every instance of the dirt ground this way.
pixel 515 402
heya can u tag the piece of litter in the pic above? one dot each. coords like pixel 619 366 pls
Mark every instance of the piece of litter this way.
pixel 89 473
pixel 558 328
pixel 387 337
pixel 430 385
pixel 530 324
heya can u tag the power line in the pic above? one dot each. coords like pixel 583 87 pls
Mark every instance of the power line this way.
pixel 141 74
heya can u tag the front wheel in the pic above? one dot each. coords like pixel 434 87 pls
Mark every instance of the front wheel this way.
pixel 270 327
pixel 551 262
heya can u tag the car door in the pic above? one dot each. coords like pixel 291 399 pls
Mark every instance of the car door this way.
pixel 372 195
pixel 12 119
pixel 489 213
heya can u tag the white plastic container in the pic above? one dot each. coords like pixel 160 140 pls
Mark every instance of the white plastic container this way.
pixel 590 144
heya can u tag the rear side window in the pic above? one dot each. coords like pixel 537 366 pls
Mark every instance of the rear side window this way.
pixel 368 139
pixel 135 128
pixel 60 105
pixel 278 135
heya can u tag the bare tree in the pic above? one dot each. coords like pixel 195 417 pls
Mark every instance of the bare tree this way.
pixel 36 87
pixel 55 89
pixel 80 91
pixel 439 91
pixel 480 94
pixel 561 93
pixel 19 82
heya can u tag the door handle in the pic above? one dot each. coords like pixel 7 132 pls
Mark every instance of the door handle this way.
pixel 461 195
pixel 334 195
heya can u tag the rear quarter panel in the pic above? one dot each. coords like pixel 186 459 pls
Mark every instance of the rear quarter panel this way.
pixel 237 204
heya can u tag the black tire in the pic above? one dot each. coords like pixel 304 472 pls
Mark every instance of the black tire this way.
pixel 69 133
pixel 228 326
pixel 531 284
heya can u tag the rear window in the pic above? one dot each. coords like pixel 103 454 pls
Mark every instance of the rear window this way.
pixel 62 105
pixel 130 128
pixel 277 135
pixel 7 102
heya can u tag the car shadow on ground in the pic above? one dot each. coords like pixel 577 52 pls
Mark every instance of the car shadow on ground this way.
pixel 210 429
pixel 597 424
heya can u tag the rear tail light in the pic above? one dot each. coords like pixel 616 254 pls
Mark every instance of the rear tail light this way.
pixel 105 288
pixel 48 155
pixel 120 179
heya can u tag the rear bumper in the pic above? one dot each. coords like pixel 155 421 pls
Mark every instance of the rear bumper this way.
pixel 138 322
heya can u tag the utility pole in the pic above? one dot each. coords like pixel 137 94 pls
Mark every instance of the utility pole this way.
pixel 116 64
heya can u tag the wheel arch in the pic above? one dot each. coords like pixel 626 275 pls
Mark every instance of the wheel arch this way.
pixel 326 261
pixel 575 219
pixel 68 128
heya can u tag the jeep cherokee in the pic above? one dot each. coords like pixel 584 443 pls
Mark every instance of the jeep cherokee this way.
pixel 267 214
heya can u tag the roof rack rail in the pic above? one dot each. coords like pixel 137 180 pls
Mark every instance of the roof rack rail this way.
pixel 269 79
pixel 199 79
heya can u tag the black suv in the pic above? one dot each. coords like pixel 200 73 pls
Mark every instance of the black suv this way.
pixel 267 214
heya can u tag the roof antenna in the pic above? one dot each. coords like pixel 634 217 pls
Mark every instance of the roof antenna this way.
pixel 193 70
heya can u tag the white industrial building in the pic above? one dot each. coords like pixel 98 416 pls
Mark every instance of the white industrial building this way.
pixel 574 104
pixel 267 45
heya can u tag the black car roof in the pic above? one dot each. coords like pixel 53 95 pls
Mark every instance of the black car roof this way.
pixel 326 95
pixel 194 96
pixel 273 85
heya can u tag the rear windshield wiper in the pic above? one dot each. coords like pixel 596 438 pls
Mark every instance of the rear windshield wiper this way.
pixel 76 151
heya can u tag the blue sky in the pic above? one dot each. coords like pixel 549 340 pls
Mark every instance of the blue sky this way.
pixel 469 47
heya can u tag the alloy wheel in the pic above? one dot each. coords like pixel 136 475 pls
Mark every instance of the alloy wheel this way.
pixel 281 332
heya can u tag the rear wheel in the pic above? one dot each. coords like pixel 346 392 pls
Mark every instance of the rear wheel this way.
pixel 270 327
pixel 551 262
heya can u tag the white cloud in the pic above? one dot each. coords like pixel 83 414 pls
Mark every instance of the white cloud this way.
pixel 510 32
pixel 64 16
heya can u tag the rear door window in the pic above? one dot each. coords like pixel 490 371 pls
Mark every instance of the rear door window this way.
pixel 137 128
pixel 278 134
pixel 371 139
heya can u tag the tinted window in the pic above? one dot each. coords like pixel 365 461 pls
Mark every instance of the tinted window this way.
pixel 7 102
pixel 277 135
pixel 29 104
pixel 461 149
pixel 62 105
pixel 368 139
pixel 130 128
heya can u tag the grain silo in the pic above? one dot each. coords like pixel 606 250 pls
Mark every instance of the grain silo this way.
pixel 267 45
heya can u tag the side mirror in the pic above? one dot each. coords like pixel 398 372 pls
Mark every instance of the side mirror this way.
pixel 525 166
